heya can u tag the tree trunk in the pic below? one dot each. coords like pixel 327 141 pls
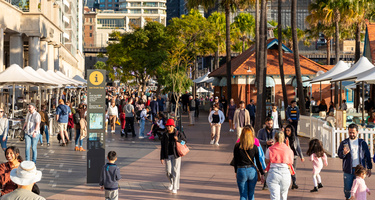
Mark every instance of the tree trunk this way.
pixel 281 61
pixel 217 62
pixel 358 42
pixel 228 46
pixel 243 44
pixel 301 95
pixel 260 73
pixel 265 32
pixel 337 38
pixel 329 51
pixel 257 39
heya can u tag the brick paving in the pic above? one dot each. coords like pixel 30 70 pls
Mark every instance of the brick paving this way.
pixel 205 172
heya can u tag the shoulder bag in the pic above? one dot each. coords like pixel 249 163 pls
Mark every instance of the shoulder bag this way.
pixel 182 149
pixel 253 164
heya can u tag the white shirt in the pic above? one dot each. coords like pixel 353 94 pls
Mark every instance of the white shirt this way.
pixel 354 146
pixel 160 123
pixel 275 119
pixel 32 119
pixel 112 110
pixel 312 102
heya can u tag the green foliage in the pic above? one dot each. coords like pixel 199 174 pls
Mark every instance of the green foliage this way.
pixel 217 20
pixel 243 30
pixel 287 35
pixel 100 65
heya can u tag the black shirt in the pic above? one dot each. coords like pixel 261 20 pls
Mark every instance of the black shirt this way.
pixel 241 159
pixel 171 143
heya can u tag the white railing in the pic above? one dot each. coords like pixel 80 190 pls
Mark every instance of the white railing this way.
pixel 331 138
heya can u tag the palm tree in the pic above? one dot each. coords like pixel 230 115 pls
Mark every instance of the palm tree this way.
pixel 218 21
pixel 281 61
pixel 300 93
pixel 244 25
pixel 228 5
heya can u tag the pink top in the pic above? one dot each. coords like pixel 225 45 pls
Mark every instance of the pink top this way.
pixel 359 189
pixel 318 162
pixel 256 141
pixel 281 153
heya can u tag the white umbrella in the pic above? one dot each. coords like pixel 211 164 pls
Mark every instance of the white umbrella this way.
pixel 58 73
pixel 78 78
pixel 202 90
pixel 57 77
pixel 361 66
pixel 202 79
pixel 340 67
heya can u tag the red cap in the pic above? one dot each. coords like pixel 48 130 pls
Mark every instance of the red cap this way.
pixel 170 122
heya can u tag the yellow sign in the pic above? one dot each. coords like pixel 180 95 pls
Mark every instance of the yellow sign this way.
pixel 96 78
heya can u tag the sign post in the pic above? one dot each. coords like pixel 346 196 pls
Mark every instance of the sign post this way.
pixel 95 124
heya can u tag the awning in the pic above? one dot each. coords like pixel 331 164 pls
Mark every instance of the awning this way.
pixel 361 66
pixel 305 83
pixel 202 78
pixel 340 67
pixel 367 76
pixel 223 82
pixel 270 82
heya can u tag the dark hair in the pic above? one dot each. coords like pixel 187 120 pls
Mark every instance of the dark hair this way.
pixel 251 100
pixel 112 155
pixel 216 105
pixel 292 134
pixel 344 101
pixel 268 119
pixel 35 189
pixel 359 169
pixel 15 151
pixel 315 146
pixel 293 101
pixel 242 102
pixel 43 107
pixel 353 126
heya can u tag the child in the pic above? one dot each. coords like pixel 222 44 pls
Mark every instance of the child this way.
pixel 109 177
pixel 317 156
pixel 158 127
pixel 359 187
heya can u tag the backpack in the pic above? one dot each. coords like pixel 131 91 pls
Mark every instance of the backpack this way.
pixel 138 114
pixel 76 118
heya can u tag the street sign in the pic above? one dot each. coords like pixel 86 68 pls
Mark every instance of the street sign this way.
pixel 95 124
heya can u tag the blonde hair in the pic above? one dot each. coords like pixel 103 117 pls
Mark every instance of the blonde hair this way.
pixel 247 138
pixel 280 137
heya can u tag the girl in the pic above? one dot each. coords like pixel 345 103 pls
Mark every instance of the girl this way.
pixel 12 154
pixel 359 188
pixel 317 156
pixel 158 128
pixel 216 119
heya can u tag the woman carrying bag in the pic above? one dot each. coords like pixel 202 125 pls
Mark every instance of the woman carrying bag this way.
pixel 245 152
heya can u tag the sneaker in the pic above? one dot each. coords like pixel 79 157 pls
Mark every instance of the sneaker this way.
pixel 152 137
pixel 76 148
pixel 265 187
pixel 41 144
pixel 170 187
pixel 217 144
pixel 149 133
pixel 81 149
pixel 314 190
pixel 230 130
pixel 48 144
pixel 320 185
pixel 294 186
pixel 141 137
pixel 174 191
pixel 212 141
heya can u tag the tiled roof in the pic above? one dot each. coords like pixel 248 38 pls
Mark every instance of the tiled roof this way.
pixel 371 38
pixel 242 63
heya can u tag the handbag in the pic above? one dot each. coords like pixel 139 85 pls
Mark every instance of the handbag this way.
pixel 254 165
pixel 182 149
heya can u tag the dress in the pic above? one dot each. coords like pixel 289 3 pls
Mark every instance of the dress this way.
pixel 359 189
pixel 318 162
pixel 232 109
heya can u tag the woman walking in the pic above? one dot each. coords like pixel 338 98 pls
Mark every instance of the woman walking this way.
pixel 113 115
pixel 4 128
pixel 230 114
pixel 12 154
pixel 70 126
pixel 44 125
pixel 293 142
pixel 81 127
pixel 215 118
pixel 280 158
pixel 169 155
pixel 245 152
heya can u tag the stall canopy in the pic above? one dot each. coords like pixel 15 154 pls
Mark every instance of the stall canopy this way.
pixel 305 81
pixel 367 76
pixel 78 78
pixel 60 79
pixel 361 66
pixel 340 67
pixel 204 79
pixel 44 74
pixel 202 90
pixel 14 74
pixel 61 75
pixel 31 71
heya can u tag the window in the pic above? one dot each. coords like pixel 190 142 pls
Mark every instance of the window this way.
pixel 116 5
pixel 90 27
pixel 116 1
pixel 102 1
pixel 109 1
pixel 112 23
pixel 150 11
pixel 102 6
pixel 90 34
pixel 109 5
pixel 150 4
pixel 269 93
pixel 135 11
pixel 135 4
pixel 90 20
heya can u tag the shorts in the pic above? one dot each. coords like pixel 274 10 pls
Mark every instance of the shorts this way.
pixel 62 126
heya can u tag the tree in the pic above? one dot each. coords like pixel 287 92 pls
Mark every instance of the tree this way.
pixel 244 25
pixel 297 66
pixel 281 61
pixel 218 22
pixel 228 5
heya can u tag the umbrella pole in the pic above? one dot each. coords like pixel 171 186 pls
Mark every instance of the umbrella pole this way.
pixel 338 106
pixel 40 98
pixel 49 100
pixel 363 105
pixel 320 91
pixel 13 98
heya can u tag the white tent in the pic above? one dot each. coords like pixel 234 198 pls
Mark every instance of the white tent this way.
pixel 57 77
pixel 32 72
pixel 361 66
pixel 204 79
pixel 202 90
pixel 58 73
pixel 368 77
pixel 44 74
pixel 340 67
pixel 78 78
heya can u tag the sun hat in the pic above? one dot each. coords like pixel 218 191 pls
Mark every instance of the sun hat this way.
pixel 170 122
pixel 25 174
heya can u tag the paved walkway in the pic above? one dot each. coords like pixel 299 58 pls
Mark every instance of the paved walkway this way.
pixel 205 172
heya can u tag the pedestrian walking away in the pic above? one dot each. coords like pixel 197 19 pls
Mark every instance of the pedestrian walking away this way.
pixel 230 114
pixel 318 157
pixel 32 131
pixel 62 118
pixel 252 109
pixel 353 151
pixel 191 111
pixel 216 119
pixel 129 117
pixel 81 127
pixel 44 125
pixel 109 177
pixel 197 104
pixel 169 156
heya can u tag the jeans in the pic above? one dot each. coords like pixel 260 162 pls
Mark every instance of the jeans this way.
pixel 3 143
pixel 141 128
pixel 246 181
pixel 78 135
pixel 47 135
pixel 294 178
pixel 294 123
pixel 348 183
pixel 278 181
pixel 191 117
pixel 31 142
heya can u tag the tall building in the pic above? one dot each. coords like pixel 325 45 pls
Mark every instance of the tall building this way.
pixel 175 8
pixel 109 5
pixel 42 34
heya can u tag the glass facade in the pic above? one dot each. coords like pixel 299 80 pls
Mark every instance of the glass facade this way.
pixel 112 23
pixel 150 11
pixel 135 11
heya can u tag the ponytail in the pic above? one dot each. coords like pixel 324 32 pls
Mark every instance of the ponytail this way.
pixel 280 137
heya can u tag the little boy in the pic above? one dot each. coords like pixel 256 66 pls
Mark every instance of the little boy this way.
pixel 109 177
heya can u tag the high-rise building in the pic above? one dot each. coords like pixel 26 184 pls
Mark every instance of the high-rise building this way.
pixel 175 8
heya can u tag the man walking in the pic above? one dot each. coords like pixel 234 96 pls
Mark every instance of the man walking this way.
pixel 241 118
pixel 292 115
pixel 353 151
pixel 252 109
pixel 266 137
pixel 129 117
pixel 62 116
pixel 161 103
pixel 32 131
pixel 197 103
pixel 154 108
pixel 191 110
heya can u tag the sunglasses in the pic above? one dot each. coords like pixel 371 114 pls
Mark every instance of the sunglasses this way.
pixel 1 111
